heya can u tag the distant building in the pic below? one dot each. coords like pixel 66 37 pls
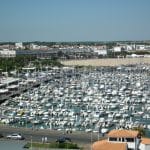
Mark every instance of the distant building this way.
pixel 7 46
pixel 19 45
pixel 101 52
pixel 43 47
pixel 140 47
pixel 147 47
pixel 34 47
pixel 7 53
pixel 130 47
pixel 123 140
pixel 38 47
pixel 117 49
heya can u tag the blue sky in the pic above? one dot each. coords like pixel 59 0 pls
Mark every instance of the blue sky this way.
pixel 74 20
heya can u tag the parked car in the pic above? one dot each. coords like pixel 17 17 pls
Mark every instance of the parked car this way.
pixel 63 139
pixel 1 136
pixel 15 136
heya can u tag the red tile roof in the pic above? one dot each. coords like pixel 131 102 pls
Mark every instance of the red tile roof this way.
pixel 123 133
pixel 105 145
pixel 145 141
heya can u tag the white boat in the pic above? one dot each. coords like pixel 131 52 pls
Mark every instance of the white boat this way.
pixel 104 130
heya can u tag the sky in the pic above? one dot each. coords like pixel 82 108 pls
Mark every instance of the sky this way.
pixel 74 20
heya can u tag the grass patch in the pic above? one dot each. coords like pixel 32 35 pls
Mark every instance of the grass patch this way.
pixel 66 145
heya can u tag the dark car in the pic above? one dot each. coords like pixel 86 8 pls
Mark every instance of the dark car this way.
pixel 1 136
pixel 63 139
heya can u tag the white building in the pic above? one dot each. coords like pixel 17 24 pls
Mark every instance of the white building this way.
pixel 147 47
pixel 123 140
pixel 117 49
pixel 140 47
pixel 34 47
pixel 130 47
pixel 19 45
pixel 100 52
pixel 7 53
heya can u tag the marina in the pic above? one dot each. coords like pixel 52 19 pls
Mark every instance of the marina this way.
pixel 89 99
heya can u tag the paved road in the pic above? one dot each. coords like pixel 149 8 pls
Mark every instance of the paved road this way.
pixel 80 138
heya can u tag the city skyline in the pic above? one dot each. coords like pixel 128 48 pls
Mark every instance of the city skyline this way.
pixel 74 20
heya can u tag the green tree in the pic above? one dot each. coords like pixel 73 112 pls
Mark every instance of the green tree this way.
pixel 141 130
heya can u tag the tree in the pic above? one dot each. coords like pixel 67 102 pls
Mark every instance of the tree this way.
pixel 141 130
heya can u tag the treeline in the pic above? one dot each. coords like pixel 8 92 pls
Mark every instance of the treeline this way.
pixel 9 64
pixel 78 43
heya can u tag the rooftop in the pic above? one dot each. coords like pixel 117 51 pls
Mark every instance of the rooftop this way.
pixel 123 133
pixel 105 145
pixel 145 141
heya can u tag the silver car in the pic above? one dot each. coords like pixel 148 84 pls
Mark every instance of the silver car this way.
pixel 15 136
